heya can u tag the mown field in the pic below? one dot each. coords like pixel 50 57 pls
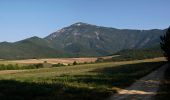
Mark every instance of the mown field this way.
pixel 95 81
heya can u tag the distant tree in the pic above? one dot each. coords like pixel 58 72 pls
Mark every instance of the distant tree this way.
pixel 45 61
pixel 165 44
pixel 57 65
pixel 74 63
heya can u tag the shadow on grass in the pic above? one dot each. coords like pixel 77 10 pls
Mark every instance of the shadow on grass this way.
pixel 14 90
pixel 164 88
pixel 121 76
pixel 60 89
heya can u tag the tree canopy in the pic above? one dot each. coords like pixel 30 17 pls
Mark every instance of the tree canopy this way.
pixel 165 44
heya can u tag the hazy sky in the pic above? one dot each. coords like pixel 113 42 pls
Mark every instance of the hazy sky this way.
pixel 21 19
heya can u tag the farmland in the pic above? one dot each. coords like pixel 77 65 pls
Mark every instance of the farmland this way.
pixel 54 60
pixel 87 81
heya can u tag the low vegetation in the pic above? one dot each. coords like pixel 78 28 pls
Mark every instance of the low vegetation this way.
pixel 17 67
pixel 58 65
pixel 80 82
pixel 137 54
pixel 75 63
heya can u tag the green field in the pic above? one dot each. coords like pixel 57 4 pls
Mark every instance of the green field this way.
pixel 80 82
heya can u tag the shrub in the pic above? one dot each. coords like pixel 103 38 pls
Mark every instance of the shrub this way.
pixel 16 67
pixel 75 63
pixel 57 65
pixel 9 67
pixel 39 65
pixel 45 61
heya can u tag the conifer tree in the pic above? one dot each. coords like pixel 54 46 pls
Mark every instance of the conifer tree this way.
pixel 165 44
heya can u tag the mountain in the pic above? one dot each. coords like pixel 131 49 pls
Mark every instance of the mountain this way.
pixel 33 47
pixel 137 54
pixel 81 39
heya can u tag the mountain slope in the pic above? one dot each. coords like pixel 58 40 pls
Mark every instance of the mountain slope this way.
pixel 29 48
pixel 83 39
pixel 138 54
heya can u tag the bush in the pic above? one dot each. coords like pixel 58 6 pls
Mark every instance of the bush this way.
pixel 16 67
pixel 39 65
pixel 57 65
pixel 45 61
pixel 9 67
pixel 34 66
pixel 75 63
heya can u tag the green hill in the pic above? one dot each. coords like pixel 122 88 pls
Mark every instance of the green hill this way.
pixel 81 39
pixel 30 48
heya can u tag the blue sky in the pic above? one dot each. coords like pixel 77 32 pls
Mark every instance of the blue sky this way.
pixel 21 19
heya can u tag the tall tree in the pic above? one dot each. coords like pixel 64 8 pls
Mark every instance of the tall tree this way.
pixel 165 44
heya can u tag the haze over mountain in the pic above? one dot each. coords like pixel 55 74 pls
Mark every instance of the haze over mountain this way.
pixel 81 39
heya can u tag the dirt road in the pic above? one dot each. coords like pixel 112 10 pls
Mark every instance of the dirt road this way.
pixel 143 89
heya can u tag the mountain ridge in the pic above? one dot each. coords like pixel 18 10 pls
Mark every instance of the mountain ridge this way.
pixel 73 35
pixel 81 39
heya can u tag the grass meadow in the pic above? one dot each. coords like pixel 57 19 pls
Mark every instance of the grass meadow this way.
pixel 95 81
